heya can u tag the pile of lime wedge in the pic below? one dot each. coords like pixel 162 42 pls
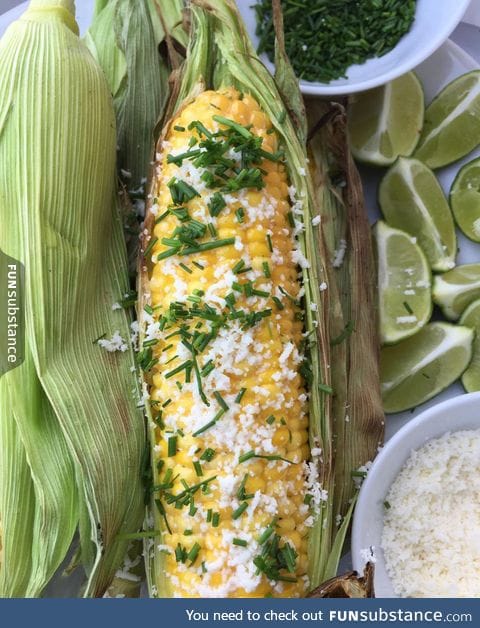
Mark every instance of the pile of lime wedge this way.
pixel 416 243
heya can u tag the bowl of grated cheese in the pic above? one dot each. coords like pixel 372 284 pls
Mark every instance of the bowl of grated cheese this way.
pixel 418 512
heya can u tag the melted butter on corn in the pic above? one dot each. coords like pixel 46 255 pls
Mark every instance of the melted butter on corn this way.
pixel 231 412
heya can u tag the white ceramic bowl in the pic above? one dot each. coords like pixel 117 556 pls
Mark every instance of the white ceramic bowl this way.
pixel 434 21
pixel 459 413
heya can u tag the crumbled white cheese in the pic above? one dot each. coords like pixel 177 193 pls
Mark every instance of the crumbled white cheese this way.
pixel 340 254
pixel 431 540
pixel 116 343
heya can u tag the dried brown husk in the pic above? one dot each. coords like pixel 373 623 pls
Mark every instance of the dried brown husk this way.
pixel 358 413
pixel 350 585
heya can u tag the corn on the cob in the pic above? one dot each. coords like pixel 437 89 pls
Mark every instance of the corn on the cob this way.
pixel 227 395
pixel 74 403
pixel 249 560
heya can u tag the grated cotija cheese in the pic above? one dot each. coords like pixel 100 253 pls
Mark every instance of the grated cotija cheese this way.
pixel 431 534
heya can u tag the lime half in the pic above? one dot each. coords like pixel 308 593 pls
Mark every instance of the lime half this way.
pixel 420 367
pixel 405 300
pixel 386 122
pixel 465 199
pixel 471 318
pixel 412 200
pixel 452 122
pixel 455 290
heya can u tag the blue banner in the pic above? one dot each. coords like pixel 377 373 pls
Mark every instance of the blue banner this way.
pixel 266 613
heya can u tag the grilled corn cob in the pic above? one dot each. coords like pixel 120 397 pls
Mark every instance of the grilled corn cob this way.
pixel 233 331
pixel 229 401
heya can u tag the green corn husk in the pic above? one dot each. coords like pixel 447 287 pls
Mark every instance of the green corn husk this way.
pixel 129 40
pixel 125 37
pixel 221 54
pixel 358 412
pixel 137 49
pixel 71 408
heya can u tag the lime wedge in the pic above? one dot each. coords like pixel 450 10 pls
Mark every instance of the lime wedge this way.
pixel 385 122
pixel 471 318
pixel 405 300
pixel 420 367
pixel 452 122
pixel 454 290
pixel 465 199
pixel 412 200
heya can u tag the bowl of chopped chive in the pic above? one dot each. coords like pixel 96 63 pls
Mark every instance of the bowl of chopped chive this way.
pixel 344 46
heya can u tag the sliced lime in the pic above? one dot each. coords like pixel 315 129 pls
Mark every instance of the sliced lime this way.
pixel 454 290
pixel 385 122
pixel 405 300
pixel 452 122
pixel 412 200
pixel 471 318
pixel 465 199
pixel 420 367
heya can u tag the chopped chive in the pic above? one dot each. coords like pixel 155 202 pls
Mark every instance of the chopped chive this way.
pixel 198 468
pixel 186 268
pixel 199 266
pixel 238 266
pixel 266 534
pixel 247 456
pixel 216 204
pixel 150 343
pixel 387 505
pixel 212 229
pixel 162 216
pixel 187 532
pixel 206 427
pixel 271 419
pixel 406 305
pixel 172 446
pixel 221 401
pixel 148 309
pixel 193 553
pixel 269 241
pixel 215 519
pixel 239 397
pixel 240 214
pixel 150 246
pixel 266 270
pixel 260 293
pixel 208 368
pixel 240 542
pixel 208 246
pixel 208 454
pixel 166 403
pixel 179 369
pixel 278 303
pixel 181 129
pixel 239 511
pixel 233 125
